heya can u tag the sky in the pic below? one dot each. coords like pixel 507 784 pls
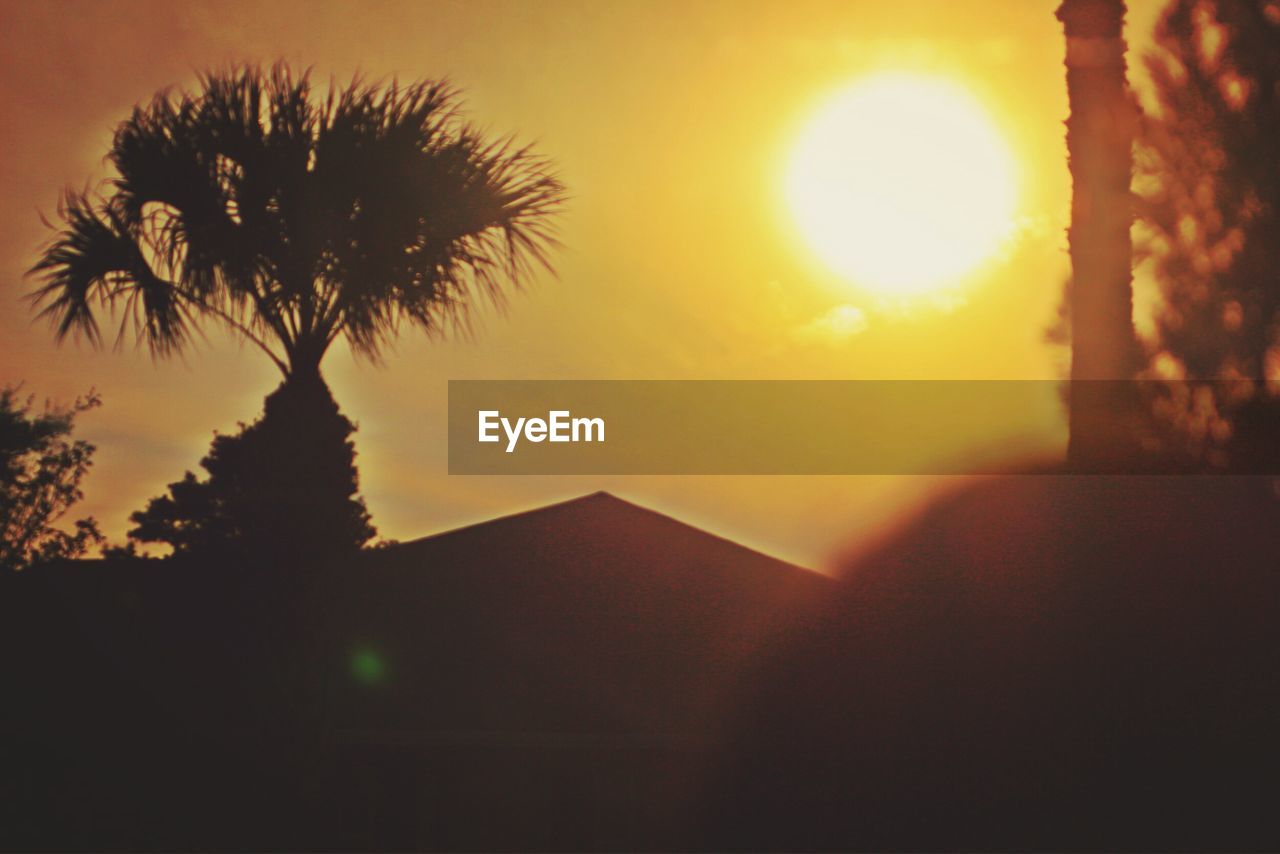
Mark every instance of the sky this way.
pixel 671 125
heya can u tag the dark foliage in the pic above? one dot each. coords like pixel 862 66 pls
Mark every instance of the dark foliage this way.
pixel 282 489
pixel 1209 183
pixel 41 468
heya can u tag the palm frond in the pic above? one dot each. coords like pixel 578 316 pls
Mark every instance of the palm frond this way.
pixel 437 217
pixel 94 261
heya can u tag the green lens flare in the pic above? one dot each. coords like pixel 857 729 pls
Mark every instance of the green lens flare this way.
pixel 368 667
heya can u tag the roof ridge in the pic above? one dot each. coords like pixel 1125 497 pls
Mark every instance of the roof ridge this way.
pixel 597 496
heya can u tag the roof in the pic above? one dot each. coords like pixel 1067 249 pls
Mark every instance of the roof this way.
pixel 594 614
pixel 553 680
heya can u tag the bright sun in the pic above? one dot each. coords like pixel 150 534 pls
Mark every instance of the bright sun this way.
pixel 902 185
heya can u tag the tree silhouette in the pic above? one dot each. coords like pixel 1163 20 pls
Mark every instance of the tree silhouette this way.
pixel 273 492
pixel 293 219
pixel 1099 141
pixel 1211 209
pixel 40 473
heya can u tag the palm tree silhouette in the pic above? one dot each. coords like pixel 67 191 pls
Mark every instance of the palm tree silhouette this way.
pixel 295 220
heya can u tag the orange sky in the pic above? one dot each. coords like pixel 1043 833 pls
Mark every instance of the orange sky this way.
pixel 670 122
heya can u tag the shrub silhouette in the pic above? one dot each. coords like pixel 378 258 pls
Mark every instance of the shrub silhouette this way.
pixel 284 486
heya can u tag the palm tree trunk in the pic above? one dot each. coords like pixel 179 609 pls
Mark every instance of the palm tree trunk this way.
pixel 1099 145
pixel 304 356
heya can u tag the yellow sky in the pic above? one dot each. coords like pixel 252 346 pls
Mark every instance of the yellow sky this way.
pixel 671 123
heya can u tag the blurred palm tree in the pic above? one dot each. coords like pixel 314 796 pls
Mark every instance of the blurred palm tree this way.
pixel 1100 300
pixel 292 219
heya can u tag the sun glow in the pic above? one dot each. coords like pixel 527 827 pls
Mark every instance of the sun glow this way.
pixel 902 185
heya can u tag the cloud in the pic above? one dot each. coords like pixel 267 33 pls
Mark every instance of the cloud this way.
pixel 836 326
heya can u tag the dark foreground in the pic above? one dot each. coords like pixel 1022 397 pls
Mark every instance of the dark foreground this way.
pixel 1035 663
pixel 550 680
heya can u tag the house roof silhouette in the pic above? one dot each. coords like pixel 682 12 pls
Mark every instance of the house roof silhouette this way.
pixel 554 679
pixel 593 615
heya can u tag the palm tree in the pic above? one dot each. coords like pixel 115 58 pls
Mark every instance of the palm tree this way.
pixel 1099 144
pixel 293 219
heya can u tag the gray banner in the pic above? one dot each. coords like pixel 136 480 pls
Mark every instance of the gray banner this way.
pixel 751 427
